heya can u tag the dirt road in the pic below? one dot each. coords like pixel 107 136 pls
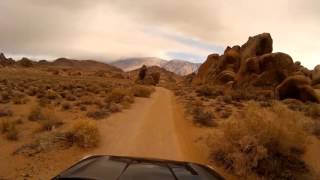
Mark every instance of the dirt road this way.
pixel 148 129
pixel 153 127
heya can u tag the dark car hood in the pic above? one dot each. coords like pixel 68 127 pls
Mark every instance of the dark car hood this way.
pixel 129 168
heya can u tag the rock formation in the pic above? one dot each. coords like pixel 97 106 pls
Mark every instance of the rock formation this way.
pixel 315 75
pixel 5 61
pixel 254 66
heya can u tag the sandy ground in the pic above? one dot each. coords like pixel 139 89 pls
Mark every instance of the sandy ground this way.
pixel 153 127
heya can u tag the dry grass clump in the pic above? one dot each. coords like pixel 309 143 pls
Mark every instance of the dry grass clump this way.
pixel 4 97
pixel 267 142
pixel 117 95
pixel 50 122
pixel 85 133
pixel 243 94
pixel 66 106
pixel 4 112
pixel 204 118
pixel 8 127
pixel 209 91
pixel 156 77
pixel 46 118
pixel 313 110
pixel 142 91
pixel 36 114
pixel 98 114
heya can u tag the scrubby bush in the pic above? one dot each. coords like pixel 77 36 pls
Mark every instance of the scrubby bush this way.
pixel 265 142
pixel 5 97
pixel 4 112
pixel 156 77
pixel 117 95
pixel 209 91
pixel 66 106
pixel 70 97
pixel 50 122
pixel 36 114
pixel 148 80
pixel 313 110
pixel 51 94
pixel 83 108
pixel 142 91
pixel 204 118
pixel 114 107
pixel 243 94
pixel 8 127
pixel 85 133
pixel 98 114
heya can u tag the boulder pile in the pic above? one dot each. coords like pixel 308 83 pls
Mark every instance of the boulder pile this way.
pixel 254 66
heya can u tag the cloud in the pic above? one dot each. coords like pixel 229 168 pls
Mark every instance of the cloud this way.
pixel 112 29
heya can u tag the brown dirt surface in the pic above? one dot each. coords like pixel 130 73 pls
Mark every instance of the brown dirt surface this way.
pixel 153 127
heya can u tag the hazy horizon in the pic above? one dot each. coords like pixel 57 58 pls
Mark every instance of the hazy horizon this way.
pixel 187 30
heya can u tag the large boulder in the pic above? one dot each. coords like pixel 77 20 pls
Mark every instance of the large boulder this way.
pixel 297 87
pixel 266 70
pixel 256 46
pixel 209 65
pixel 316 75
pixel 225 76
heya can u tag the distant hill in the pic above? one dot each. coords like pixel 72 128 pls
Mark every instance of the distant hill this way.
pixel 81 64
pixel 135 63
pixel 177 66
pixel 181 67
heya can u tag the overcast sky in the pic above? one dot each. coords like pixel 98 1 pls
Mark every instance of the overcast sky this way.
pixel 185 29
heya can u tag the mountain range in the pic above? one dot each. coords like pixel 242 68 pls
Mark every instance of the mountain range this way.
pixel 180 67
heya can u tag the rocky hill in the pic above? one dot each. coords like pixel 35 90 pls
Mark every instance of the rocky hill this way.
pixel 179 67
pixel 255 69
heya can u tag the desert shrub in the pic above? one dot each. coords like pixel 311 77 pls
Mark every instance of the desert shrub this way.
pixel 12 134
pixel 8 127
pixel 313 110
pixel 51 94
pixel 5 97
pixel 204 118
pixel 118 76
pixel 85 133
pixel 243 94
pixel 83 108
pixel 19 100
pixel 142 91
pixel 36 114
pixel 117 95
pixel 148 80
pixel 98 114
pixel 114 108
pixel 227 99
pixel 32 91
pixel 209 91
pixel 66 106
pixel 70 97
pixel 50 122
pixel 4 112
pixel 156 77
pixel 265 142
